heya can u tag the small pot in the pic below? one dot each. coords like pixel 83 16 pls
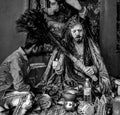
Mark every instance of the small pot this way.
pixel 69 105
pixel 69 97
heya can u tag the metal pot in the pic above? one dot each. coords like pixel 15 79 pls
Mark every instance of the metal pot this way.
pixel 69 97
pixel 69 105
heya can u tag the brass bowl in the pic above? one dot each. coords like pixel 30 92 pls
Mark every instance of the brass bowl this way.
pixel 69 95
pixel 72 91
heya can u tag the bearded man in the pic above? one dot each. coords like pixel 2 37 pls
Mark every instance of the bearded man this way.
pixel 88 62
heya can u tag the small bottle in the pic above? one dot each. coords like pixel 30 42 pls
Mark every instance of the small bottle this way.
pixel 87 91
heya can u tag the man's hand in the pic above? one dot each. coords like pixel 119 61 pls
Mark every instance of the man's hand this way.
pixel 89 70
pixel 57 67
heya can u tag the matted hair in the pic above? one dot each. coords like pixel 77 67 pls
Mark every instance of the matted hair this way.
pixel 68 39
pixel 30 42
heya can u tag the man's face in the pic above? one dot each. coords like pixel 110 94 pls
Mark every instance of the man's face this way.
pixel 77 33
pixel 54 7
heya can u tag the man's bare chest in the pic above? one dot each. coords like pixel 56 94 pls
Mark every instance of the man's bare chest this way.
pixel 79 49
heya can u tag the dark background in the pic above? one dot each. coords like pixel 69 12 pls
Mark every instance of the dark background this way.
pixel 108 38
pixel 10 40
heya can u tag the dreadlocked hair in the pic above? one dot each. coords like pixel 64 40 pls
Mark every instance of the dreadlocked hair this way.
pixel 33 23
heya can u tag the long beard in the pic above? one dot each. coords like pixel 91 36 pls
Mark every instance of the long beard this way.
pixel 80 40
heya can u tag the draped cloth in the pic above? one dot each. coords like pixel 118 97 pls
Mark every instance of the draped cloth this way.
pixel 104 79
pixel 69 75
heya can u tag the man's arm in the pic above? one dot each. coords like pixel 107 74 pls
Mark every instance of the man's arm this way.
pixel 17 74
